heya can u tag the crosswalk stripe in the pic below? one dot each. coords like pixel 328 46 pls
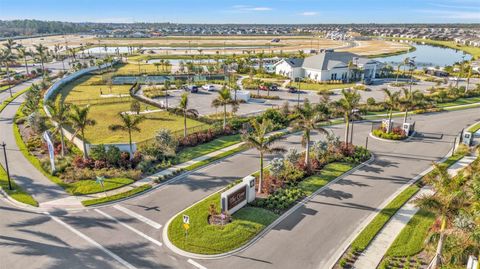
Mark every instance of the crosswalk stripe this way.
pixel 138 216
pixel 93 242
pixel 130 228
pixel 196 264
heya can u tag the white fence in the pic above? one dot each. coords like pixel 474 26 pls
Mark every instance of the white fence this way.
pixel 53 90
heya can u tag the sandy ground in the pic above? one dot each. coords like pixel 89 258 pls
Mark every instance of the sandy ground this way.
pixel 287 43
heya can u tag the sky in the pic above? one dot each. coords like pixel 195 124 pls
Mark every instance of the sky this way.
pixel 245 11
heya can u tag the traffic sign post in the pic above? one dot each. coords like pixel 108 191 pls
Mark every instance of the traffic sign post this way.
pixel 100 180
pixel 186 226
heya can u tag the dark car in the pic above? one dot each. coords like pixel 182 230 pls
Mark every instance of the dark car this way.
pixel 274 87
pixel 193 89
pixel 292 90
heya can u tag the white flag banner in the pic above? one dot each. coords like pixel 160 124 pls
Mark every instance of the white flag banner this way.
pixel 51 151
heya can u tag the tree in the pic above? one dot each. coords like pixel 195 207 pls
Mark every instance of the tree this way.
pixel 23 53
pixel 223 99
pixel 257 138
pixel 41 52
pixel 350 67
pixel 166 86
pixel 129 123
pixel 469 75
pixel 448 198
pixel 135 107
pixel 80 121
pixel 348 103
pixel 7 57
pixel 59 114
pixel 308 120
pixel 183 105
pixel 392 99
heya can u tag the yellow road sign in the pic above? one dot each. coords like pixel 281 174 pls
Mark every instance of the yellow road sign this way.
pixel 186 226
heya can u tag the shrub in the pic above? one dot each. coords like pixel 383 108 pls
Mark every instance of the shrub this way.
pixel 391 136
pixel 283 198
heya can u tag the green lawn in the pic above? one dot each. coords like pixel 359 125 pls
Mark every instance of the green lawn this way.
pixel 190 153
pixel 460 101
pixel 217 157
pixel 412 238
pixel 328 173
pixel 116 197
pixel 17 192
pixel 474 128
pixel 209 239
pixel 319 86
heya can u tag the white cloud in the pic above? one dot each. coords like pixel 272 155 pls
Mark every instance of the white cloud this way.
pixel 250 8
pixel 309 13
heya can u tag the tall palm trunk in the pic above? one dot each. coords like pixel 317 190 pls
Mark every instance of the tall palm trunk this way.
pixel 398 73
pixel 406 115
pixel 130 143
pixel 307 148
pixel 347 127
pixel 437 260
pixel 85 154
pixel 62 140
pixel 224 117
pixel 184 124
pixel 261 173
pixel 26 65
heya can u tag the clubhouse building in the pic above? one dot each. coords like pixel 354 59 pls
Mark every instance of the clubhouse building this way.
pixel 329 65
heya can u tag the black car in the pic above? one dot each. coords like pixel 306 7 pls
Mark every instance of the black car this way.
pixel 190 88
pixel 274 88
pixel 292 90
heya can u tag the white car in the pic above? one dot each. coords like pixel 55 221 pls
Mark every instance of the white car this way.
pixel 208 87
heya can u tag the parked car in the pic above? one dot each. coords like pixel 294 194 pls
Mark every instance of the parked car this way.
pixel 208 87
pixel 191 88
pixel 274 87
pixel 368 81
pixel 292 90
pixel 263 88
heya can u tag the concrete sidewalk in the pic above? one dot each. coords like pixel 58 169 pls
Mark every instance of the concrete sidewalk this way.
pixel 374 253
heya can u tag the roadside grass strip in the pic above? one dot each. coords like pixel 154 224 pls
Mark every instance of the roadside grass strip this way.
pixel 17 193
pixel 13 97
pixel 474 128
pixel 370 231
pixel 216 158
pixel 362 241
pixel 191 153
pixel 118 196
pixel 247 223
pixel 412 238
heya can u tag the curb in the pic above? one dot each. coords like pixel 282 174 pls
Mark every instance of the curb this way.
pixel 260 235
pixel 17 203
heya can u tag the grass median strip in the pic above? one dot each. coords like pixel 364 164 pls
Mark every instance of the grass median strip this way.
pixel 216 157
pixel 17 193
pixel 118 196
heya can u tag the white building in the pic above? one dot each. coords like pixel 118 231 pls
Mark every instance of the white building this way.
pixel 328 65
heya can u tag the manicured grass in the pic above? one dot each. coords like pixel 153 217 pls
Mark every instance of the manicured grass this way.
pixel 412 238
pixel 10 99
pixel 320 87
pixel 474 128
pixel 190 153
pixel 366 236
pixel 133 69
pixel 90 186
pixel 17 192
pixel 217 157
pixel 461 101
pixel 115 197
pixel 328 173
pixel 210 239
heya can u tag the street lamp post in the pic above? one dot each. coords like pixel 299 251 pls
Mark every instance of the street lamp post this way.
pixel 6 165
pixel 298 94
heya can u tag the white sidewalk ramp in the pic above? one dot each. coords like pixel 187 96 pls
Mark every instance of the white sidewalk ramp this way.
pixel 374 253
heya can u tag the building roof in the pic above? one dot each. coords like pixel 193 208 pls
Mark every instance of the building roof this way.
pixel 329 60
pixel 294 62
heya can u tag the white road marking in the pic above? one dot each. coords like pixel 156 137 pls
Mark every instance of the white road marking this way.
pixel 93 242
pixel 196 264
pixel 130 228
pixel 138 216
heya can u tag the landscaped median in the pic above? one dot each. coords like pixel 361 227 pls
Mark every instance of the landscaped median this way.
pixel 119 196
pixel 213 240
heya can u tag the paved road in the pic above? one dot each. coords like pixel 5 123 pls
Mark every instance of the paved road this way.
pixel 310 236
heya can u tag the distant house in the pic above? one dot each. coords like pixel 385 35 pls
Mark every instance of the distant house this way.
pixel 328 65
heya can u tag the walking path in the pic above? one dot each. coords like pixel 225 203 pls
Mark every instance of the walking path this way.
pixel 374 253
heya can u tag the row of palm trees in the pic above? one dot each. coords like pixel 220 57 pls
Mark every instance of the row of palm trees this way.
pixel 12 52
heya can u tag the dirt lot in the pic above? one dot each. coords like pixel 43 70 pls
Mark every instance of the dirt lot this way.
pixel 371 47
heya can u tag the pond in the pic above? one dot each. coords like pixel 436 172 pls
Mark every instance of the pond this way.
pixel 428 56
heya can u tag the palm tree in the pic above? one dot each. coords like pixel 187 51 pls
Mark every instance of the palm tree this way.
pixel 23 53
pixel 350 67
pixel 80 121
pixel 129 123
pixel 186 112
pixel 257 138
pixel 166 86
pixel 448 199
pixel 308 120
pixel 7 57
pixel 392 99
pixel 469 75
pixel 348 103
pixel 41 52
pixel 59 114
pixel 223 99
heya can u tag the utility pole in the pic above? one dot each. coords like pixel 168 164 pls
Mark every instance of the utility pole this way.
pixel 6 165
